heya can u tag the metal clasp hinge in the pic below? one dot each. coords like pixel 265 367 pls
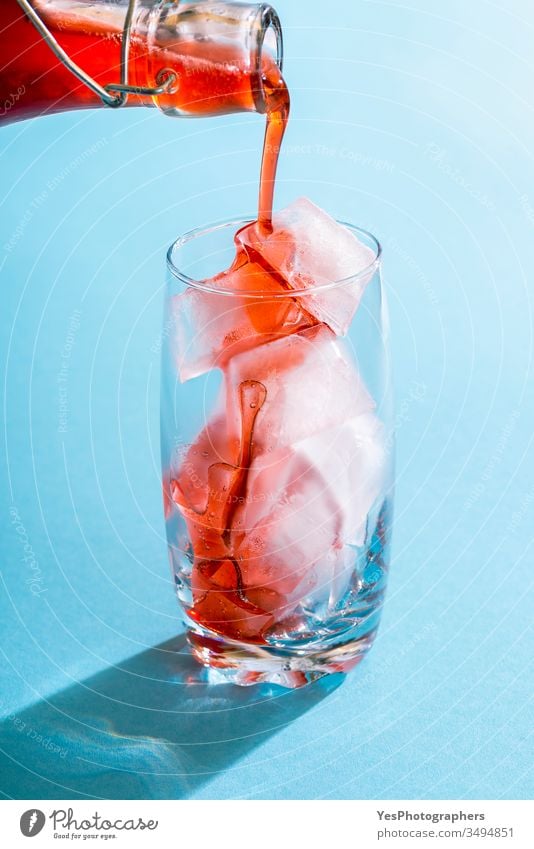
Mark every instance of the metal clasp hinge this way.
pixel 166 78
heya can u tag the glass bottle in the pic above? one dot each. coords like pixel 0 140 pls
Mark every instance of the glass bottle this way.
pixel 187 58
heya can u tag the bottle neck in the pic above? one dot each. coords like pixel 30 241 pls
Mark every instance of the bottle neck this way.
pixel 216 55
pixel 220 52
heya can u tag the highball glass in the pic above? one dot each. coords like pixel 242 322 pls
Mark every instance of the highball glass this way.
pixel 277 455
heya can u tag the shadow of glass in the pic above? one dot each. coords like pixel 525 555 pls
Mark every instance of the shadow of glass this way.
pixel 151 728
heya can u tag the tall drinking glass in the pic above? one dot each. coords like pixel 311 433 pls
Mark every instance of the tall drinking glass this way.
pixel 277 454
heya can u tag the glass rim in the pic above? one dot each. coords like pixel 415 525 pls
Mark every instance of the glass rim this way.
pixel 201 286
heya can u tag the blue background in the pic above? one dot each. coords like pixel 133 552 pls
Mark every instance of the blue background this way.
pixel 414 121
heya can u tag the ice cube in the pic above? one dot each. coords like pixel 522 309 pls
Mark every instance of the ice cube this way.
pixel 305 510
pixel 200 488
pixel 311 381
pixel 207 328
pixel 352 458
pixel 286 534
pixel 212 474
pixel 309 249
pixel 189 485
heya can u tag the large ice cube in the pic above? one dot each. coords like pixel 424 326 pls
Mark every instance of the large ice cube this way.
pixel 352 458
pixel 311 381
pixel 201 487
pixel 309 249
pixel 208 328
pixel 211 447
pixel 286 534
pixel 304 506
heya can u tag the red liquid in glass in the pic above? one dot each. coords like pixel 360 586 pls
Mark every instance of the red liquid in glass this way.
pixel 34 82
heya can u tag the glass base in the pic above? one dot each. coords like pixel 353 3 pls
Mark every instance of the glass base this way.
pixel 328 631
pixel 245 664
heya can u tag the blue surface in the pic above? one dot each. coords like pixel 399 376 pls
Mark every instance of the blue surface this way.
pixel 416 122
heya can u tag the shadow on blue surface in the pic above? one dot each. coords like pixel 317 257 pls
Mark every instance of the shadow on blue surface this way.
pixel 148 729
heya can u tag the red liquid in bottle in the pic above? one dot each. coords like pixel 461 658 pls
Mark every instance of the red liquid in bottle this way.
pixel 210 81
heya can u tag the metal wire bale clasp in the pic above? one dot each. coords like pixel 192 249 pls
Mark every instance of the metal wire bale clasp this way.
pixel 166 78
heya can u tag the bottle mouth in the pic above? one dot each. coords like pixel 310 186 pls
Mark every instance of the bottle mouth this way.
pixel 271 37
pixel 270 43
pixel 242 42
